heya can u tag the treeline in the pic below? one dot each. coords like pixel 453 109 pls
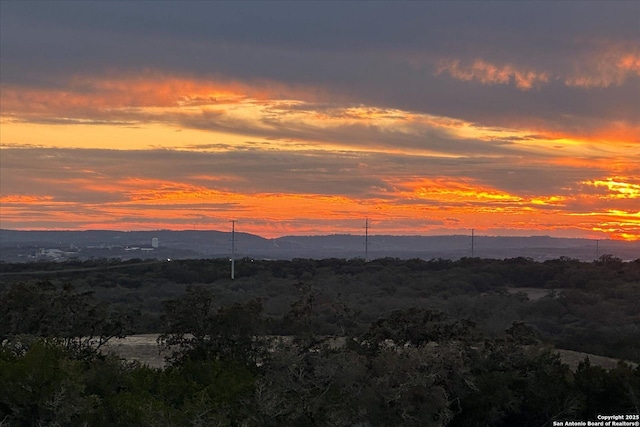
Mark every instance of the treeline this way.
pixel 589 307
pixel 411 367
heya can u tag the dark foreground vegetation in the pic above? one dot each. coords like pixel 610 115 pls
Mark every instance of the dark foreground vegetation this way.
pixel 319 342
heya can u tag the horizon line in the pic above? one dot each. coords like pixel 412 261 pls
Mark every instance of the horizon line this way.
pixel 475 235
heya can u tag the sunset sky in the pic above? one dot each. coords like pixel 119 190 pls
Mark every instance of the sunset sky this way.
pixel 509 118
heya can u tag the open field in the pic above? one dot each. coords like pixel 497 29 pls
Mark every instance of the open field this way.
pixel 144 348
pixel 141 348
pixel 534 294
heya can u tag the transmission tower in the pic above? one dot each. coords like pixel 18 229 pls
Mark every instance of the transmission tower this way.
pixel 472 242
pixel 366 239
pixel 233 250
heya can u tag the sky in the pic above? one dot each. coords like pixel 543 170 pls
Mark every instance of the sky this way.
pixel 306 118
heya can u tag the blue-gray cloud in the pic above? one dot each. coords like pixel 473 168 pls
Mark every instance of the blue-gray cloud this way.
pixel 363 175
pixel 381 53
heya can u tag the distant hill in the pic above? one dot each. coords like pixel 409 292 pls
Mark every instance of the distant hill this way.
pixel 16 246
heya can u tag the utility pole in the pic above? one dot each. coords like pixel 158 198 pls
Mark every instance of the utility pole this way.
pixel 597 249
pixel 472 242
pixel 366 239
pixel 233 250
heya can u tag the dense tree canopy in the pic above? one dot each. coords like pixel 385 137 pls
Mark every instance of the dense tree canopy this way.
pixel 321 343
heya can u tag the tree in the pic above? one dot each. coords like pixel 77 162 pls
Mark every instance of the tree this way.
pixel 42 386
pixel 73 319
pixel 417 326
pixel 614 391
pixel 193 329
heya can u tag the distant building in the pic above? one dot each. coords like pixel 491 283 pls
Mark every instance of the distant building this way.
pixel 154 242
pixel 54 254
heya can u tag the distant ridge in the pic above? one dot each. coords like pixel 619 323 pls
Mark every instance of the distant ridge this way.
pixel 16 245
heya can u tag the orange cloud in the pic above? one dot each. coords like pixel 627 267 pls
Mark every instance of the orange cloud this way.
pixel 105 94
pixel 145 111
pixel 608 66
pixel 488 73
pixel 605 64
pixel 619 187
pixel 173 204
pixel 418 206
pixel 448 190
pixel 10 199
pixel 616 224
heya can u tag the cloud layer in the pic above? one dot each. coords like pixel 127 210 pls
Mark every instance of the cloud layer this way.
pixel 307 117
